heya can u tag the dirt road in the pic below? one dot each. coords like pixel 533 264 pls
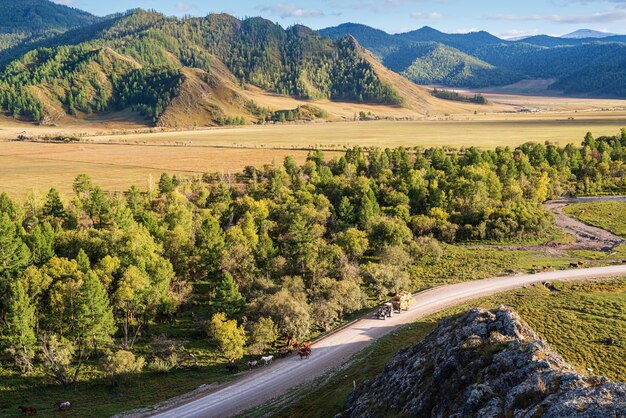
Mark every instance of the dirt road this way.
pixel 258 387
pixel 587 237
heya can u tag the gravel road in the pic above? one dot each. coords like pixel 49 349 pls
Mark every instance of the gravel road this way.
pixel 257 387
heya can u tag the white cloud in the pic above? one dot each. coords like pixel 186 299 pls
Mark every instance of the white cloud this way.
pixel 611 16
pixel 287 10
pixel 518 33
pixel 70 3
pixel 428 16
pixel 184 7
pixel 467 30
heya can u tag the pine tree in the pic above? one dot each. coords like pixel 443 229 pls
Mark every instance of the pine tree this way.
pixel 166 185
pixel 227 298
pixel 83 261
pixel 96 315
pixel 54 206
pixel 20 321
pixel 14 254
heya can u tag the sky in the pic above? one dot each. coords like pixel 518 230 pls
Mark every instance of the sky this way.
pixel 503 18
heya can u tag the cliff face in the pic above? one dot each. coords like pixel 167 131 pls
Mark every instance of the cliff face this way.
pixel 484 364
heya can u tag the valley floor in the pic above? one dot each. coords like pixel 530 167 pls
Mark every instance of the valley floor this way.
pixel 118 158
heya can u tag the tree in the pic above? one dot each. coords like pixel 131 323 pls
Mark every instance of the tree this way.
pixel 210 244
pixel 53 207
pixel 388 232
pixel 79 311
pixel 384 279
pixel 166 185
pixel 21 322
pixel 229 337
pixel 96 315
pixel 82 185
pixel 98 207
pixel 263 333
pixel 353 241
pixel 135 303
pixel 289 310
pixel 14 254
pixel 227 298
pixel 41 243
pixel 122 363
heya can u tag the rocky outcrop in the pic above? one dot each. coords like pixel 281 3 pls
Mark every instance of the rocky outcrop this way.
pixel 485 364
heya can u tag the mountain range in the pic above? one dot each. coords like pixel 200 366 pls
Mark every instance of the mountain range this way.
pixel 57 61
pixel 585 66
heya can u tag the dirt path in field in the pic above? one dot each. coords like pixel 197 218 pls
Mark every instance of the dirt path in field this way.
pixel 257 387
pixel 586 237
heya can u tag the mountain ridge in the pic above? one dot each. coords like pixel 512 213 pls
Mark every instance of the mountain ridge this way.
pixel 479 59
pixel 146 60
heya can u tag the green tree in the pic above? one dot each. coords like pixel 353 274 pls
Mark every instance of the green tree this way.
pixel 53 208
pixel 14 253
pixel 166 185
pixel 122 363
pixel 21 321
pixel 353 241
pixel 41 243
pixel 226 298
pixel 229 337
pixel 263 333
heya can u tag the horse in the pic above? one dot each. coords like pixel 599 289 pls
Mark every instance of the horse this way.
pixel 63 405
pixel 27 409
pixel 252 364
pixel 285 351
pixel 304 353
pixel 267 360
pixel 232 368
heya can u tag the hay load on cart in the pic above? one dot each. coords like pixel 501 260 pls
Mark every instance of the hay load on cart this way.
pixel 402 301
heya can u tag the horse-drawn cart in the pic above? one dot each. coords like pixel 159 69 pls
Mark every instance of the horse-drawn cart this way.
pixel 384 311
pixel 402 301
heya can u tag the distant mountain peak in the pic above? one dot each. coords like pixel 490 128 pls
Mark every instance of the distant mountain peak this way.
pixel 587 33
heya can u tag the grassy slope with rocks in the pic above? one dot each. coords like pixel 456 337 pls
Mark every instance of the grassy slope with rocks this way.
pixel 571 320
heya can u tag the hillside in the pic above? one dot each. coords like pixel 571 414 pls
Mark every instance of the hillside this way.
pixel 192 71
pixel 581 66
pixel 484 363
pixel 27 20
pixel 435 63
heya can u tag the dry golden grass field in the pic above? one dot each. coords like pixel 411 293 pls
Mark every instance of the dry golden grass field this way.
pixel 459 131
pixel 27 167
pixel 119 150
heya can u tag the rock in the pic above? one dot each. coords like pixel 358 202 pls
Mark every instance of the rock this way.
pixel 484 364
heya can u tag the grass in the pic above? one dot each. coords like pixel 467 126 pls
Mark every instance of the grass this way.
pixel 459 263
pixel 573 321
pixel 501 130
pixel 35 167
pixel 607 215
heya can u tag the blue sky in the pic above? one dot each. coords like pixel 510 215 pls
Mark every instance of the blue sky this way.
pixel 500 17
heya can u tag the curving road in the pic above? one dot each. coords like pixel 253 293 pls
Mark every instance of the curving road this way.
pixel 265 383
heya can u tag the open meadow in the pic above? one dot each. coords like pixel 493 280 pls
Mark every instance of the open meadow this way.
pixel 458 131
pixel 118 155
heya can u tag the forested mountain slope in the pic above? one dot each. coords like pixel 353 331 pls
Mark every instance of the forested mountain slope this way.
pixel 426 56
pixel 145 60
pixel 24 20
